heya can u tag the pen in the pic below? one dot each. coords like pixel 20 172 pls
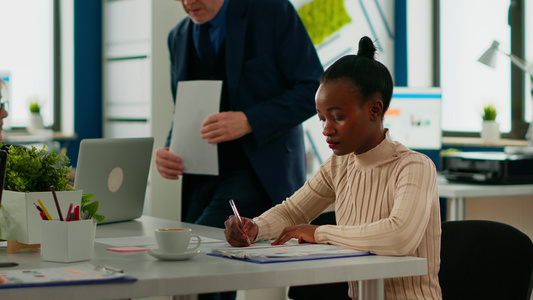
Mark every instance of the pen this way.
pixel 69 212
pixel 44 209
pixel 57 202
pixel 236 213
pixel 38 207
pixel 41 212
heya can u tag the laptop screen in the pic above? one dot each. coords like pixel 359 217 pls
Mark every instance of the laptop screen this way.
pixel 115 171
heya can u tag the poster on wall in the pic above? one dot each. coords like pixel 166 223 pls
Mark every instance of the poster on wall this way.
pixel 335 27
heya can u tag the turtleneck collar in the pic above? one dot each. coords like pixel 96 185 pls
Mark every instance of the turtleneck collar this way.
pixel 385 151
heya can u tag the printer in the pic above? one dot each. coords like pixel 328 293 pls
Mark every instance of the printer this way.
pixel 487 167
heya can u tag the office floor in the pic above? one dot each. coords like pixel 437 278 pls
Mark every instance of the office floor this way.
pixel 258 294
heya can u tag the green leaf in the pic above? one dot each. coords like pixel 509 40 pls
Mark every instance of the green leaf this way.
pixel 90 207
pixel 35 107
pixel 489 112
pixel 98 218
pixel 86 198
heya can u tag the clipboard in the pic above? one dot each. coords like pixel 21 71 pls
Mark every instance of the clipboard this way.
pixel 287 253
pixel 267 260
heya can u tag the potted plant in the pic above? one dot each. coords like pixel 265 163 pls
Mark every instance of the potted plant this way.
pixel 30 173
pixel 490 128
pixel 36 119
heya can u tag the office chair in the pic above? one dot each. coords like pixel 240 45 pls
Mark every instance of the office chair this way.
pixel 337 291
pixel 485 260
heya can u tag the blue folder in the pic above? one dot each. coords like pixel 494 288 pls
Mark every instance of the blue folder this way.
pixel 56 283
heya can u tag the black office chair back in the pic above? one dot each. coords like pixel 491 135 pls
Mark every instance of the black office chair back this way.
pixel 485 260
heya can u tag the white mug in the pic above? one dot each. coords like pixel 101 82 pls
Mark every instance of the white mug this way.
pixel 175 240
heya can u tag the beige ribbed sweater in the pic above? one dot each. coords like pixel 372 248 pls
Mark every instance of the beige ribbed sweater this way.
pixel 386 202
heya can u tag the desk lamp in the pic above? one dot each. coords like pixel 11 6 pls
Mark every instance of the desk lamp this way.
pixel 489 58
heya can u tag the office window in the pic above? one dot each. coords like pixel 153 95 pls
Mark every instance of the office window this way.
pixel 467 29
pixel 26 58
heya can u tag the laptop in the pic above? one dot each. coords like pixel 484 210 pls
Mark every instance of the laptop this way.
pixel 115 171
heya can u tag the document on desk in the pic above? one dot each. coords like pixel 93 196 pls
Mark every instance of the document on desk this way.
pixel 263 252
pixel 129 241
pixel 75 274
pixel 195 101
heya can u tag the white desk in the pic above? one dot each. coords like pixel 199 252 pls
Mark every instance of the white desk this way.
pixel 204 273
pixel 457 192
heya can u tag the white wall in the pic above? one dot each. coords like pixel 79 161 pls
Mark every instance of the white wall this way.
pixel 164 195
pixel 67 67
pixel 420 43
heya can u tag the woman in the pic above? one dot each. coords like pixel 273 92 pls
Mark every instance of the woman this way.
pixel 3 108
pixel 385 195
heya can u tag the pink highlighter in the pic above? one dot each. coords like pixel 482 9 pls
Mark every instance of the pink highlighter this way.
pixel 69 212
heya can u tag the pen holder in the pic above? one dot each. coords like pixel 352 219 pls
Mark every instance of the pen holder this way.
pixel 21 220
pixel 67 241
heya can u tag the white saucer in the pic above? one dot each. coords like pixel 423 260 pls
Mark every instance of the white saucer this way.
pixel 172 256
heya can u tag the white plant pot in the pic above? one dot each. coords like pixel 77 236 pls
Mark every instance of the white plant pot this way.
pixel 490 131
pixel 21 220
pixel 36 122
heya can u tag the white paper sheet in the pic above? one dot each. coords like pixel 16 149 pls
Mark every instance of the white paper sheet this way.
pixel 195 101
pixel 128 241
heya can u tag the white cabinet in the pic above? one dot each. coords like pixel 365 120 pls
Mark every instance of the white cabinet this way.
pixel 137 99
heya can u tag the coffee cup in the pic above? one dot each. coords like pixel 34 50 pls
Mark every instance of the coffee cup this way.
pixel 175 240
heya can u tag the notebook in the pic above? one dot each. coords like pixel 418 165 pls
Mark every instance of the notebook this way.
pixel 115 171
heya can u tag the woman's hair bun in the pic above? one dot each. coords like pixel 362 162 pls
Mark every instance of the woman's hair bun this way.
pixel 366 48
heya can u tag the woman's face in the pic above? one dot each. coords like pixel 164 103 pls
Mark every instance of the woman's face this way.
pixel 349 125
pixel 3 113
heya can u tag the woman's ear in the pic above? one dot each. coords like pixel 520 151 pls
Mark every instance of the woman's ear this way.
pixel 376 109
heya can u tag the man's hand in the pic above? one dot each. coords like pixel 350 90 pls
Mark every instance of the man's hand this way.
pixel 225 126
pixel 237 236
pixel 305 233
pixel 169 165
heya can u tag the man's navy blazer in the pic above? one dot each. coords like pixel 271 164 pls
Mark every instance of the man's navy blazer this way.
pixel 272 72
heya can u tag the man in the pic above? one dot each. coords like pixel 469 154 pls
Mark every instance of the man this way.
pixel 270 72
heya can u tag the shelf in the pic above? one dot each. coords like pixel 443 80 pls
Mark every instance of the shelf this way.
pixel 478 142
pixel 23 136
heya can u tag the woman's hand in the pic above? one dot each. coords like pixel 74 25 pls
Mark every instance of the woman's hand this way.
pixel 236 236
pixel 305 233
